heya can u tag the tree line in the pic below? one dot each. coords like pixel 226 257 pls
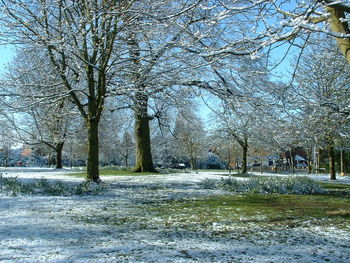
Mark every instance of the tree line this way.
pixel 77 60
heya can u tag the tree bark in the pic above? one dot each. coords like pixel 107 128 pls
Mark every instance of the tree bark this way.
pixel 342 163
pixel 331 162
pixel 244 161
pixel 338 25
pixel 245 153
pixel 144 161
pixel 193 163
pixel 59 149
pixel 93 151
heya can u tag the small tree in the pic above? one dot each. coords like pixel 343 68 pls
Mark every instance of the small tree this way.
pixel 6 143
pixel 125 147
pixel 190 135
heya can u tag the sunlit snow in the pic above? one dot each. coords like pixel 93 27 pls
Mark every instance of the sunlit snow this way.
pixel 36 228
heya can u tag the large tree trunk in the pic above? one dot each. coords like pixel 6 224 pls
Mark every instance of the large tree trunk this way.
pixel 93 151
pixel 59 149
pixel 331 162
pixel 244 161
pixel 144 161
pixel 245 153
pixel 193 163
pixel 338 25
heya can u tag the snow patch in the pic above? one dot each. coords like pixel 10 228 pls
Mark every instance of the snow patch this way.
pixel 111 227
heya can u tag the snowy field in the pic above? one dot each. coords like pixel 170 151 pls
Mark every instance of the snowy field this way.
pixel 121 225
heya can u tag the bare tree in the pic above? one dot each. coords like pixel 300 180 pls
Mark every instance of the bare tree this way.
pixel 38 116
pixel 190 135
pixel 79 38
pixel 6 142
pixel 321 86
pixel 157 60
pixel 125 147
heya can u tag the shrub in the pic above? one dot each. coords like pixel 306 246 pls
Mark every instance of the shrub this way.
pixel 88 188
pixel 209 184
pixel 11 185
pixel 42 186
pixel 267 185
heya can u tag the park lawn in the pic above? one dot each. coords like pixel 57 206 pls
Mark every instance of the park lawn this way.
pixel 263 210
pixel 178 220
pixel 110 172
pixel 116 171
pixel 335 186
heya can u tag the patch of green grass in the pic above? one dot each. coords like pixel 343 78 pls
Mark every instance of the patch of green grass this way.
pixel 213 170
pixel 335 186
pixel 122 171
pixel 110 172
pixel 231 216
pixel 240 175
pixel 262 209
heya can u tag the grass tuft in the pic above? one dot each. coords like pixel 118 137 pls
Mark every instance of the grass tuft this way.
pixel 15 187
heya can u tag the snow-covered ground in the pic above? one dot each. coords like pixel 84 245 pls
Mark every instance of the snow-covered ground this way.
pixel 117 226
